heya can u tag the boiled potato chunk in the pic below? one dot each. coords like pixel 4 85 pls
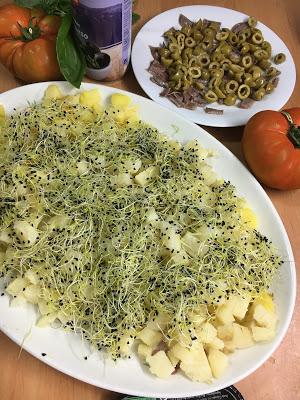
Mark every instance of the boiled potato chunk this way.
pixel 121 180
pixel 216 343
pixel 160 365
pixel 195 365
pixel 52 92
pixel 17 286
pixel 58 222
pixel 171 240
pixel 125 344
pixel 46 320
pixel 261 334
pixel 133 166
pixel 224 314
pixel 225 332
pixel 150 337
pixel 218 362
pixel 91 98
pixel 266 300
pixel 248 217
pixel 144 351
pixel 26 233
pixel 198 316
pixel 178 352
pixel 32 293
pixel 193 245
pixel 120 100
pixel 206 332
pixel 82 167
pixel 5 237
pixel 145 177
pixel 46 307
pixel 239 305
pixel 241 337
pixel 152 217
pixel 263 317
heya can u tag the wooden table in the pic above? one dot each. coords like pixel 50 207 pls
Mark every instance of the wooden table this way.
pixel 23 377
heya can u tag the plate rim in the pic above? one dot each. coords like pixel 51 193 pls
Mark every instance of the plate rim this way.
pixel 288 248
pixel 172 107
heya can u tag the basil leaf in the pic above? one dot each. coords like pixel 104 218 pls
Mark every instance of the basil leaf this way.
pixel 70 57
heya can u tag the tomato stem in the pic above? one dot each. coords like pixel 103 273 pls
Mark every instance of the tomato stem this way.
pixel 294 131
pixel 30 33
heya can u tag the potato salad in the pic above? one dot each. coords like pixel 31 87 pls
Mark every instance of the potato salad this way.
pixel 129 238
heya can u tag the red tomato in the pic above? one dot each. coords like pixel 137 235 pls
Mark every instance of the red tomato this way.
pixel 271 146
pixel 27 43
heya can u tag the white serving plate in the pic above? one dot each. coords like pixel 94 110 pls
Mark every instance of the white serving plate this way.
pixel 151 34
pixel 66 352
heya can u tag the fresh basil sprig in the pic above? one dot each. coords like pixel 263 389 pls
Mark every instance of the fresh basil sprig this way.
pixel 69 56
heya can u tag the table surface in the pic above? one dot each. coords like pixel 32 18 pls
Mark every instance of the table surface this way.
pixel 24 377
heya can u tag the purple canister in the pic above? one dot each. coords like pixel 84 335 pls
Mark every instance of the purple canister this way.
pixel 103 30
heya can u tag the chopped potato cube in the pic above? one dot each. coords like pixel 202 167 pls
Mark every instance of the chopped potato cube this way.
pixel 263 317
pixel 26 233
pixel 91 99
pixel 82 167
pixel 144 351
pixel 160 365
pixel 125 344
pixel 198 316
pixel 150 337
pixel 52 92
pixel 121 180
pixel 17 286
pixel 249 218
pixel 206 332
pixel 260 334
pixel 196 365
pixel 46 307
pixel 193 245
pixel 266 300
pixel 145 177
pixel 120 100
pixel 224 314
pixel 225 332
pixel 46 320
pixel 241 337
pixel 133 166
pixel 5 237
pixel 32 293
pixel 239 305
pixel 179 352
pixel 218 362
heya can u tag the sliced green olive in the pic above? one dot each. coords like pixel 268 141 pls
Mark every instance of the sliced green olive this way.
pixel 231 86
pixel 166 61
pixel 252 21
pixel 210 96
pixel 243 91
pixel 269 87
pixel 279 58
pixel 259 94
pixel 230 99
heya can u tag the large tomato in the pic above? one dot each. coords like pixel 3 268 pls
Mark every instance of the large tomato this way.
pixel 27 43
pixel 271 146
